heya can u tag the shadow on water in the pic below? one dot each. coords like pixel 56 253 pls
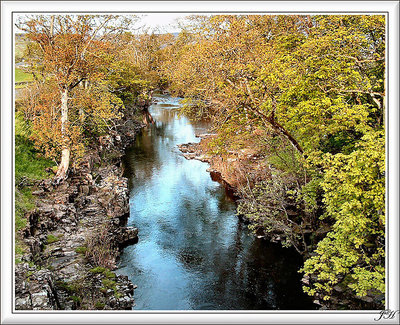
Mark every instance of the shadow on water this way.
pixel 193 253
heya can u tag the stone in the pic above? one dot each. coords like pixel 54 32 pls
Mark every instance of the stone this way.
pixel 38 193
pixel 40 299
pixel 366 299
pixel 338 288
pixel 84 189
pixel 74 210
pixel 23 303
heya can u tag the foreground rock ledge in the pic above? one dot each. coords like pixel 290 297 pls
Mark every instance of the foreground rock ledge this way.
pixel 74 236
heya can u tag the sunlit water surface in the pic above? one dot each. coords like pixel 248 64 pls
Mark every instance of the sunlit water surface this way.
pixel 193 252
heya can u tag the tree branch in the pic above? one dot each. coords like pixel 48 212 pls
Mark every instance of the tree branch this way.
pixel 72 86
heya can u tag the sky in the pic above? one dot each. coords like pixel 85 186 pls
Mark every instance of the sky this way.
pixel 157 22
pixel 165 21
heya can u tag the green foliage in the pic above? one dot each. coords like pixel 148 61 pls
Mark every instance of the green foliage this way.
pixel 303 94
pixel 81 250
pixel 29 167
pixel 128 83
pixel 286 161
pixel 194 109
pixel 266 207
pixel 312 84
pixel 109 274
pixel 98 269
pixel 310 194
pixel 24 202
pixel 20 249
pixel 52 239
pixel 99 305
pixel 109 284
pixel 102 270
pixel 354 186
pixel 75 299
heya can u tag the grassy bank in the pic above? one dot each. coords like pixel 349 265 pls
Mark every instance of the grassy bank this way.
pixel 22 78
pixel 30 166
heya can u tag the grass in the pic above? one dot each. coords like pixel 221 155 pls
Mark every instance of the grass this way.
pixel 81 250
pixel 29 166
pixel 102 270
pixel 98 269
pixel 99 305
pixel 52 239
pixel 21 76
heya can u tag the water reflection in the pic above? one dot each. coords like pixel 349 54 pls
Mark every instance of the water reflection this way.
pixel 193 253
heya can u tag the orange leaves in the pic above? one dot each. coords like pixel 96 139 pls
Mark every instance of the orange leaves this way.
pixel 72 48
pixel 67 51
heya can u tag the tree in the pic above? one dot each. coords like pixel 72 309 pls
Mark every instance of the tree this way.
pixel 315 84
pixel 354 251
pixel 71 49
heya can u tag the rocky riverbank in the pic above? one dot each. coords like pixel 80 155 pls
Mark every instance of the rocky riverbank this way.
pixel 74 236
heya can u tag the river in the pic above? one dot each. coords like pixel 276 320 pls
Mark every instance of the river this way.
pixel 193 252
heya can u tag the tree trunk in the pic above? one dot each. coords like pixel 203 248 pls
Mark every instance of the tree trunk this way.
pixel 65 155
pixel 63 166
pixel 84 85
pixel 52 27
pixel 288 136
pixel 64 111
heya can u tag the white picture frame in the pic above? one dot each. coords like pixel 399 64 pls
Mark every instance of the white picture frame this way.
pixel 10 316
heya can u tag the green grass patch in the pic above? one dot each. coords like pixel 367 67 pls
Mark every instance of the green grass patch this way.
pixel 24 202
pixel 71 288
pixel 29 163
pixel 81 250
pixel 99 305
pixel 109 274
pixel 102 270
pixel 109 284
pixel 52 239
pixel 98 269
pixel 75 299
pixel 20 249
pixel 22 76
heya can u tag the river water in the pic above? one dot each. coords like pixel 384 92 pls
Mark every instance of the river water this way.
pixel 193 252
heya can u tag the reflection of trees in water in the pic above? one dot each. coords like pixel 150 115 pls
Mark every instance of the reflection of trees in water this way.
pixel 142 158
pixel 163 114
pixel 248 274
pixel 272 275
pixel 147 153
